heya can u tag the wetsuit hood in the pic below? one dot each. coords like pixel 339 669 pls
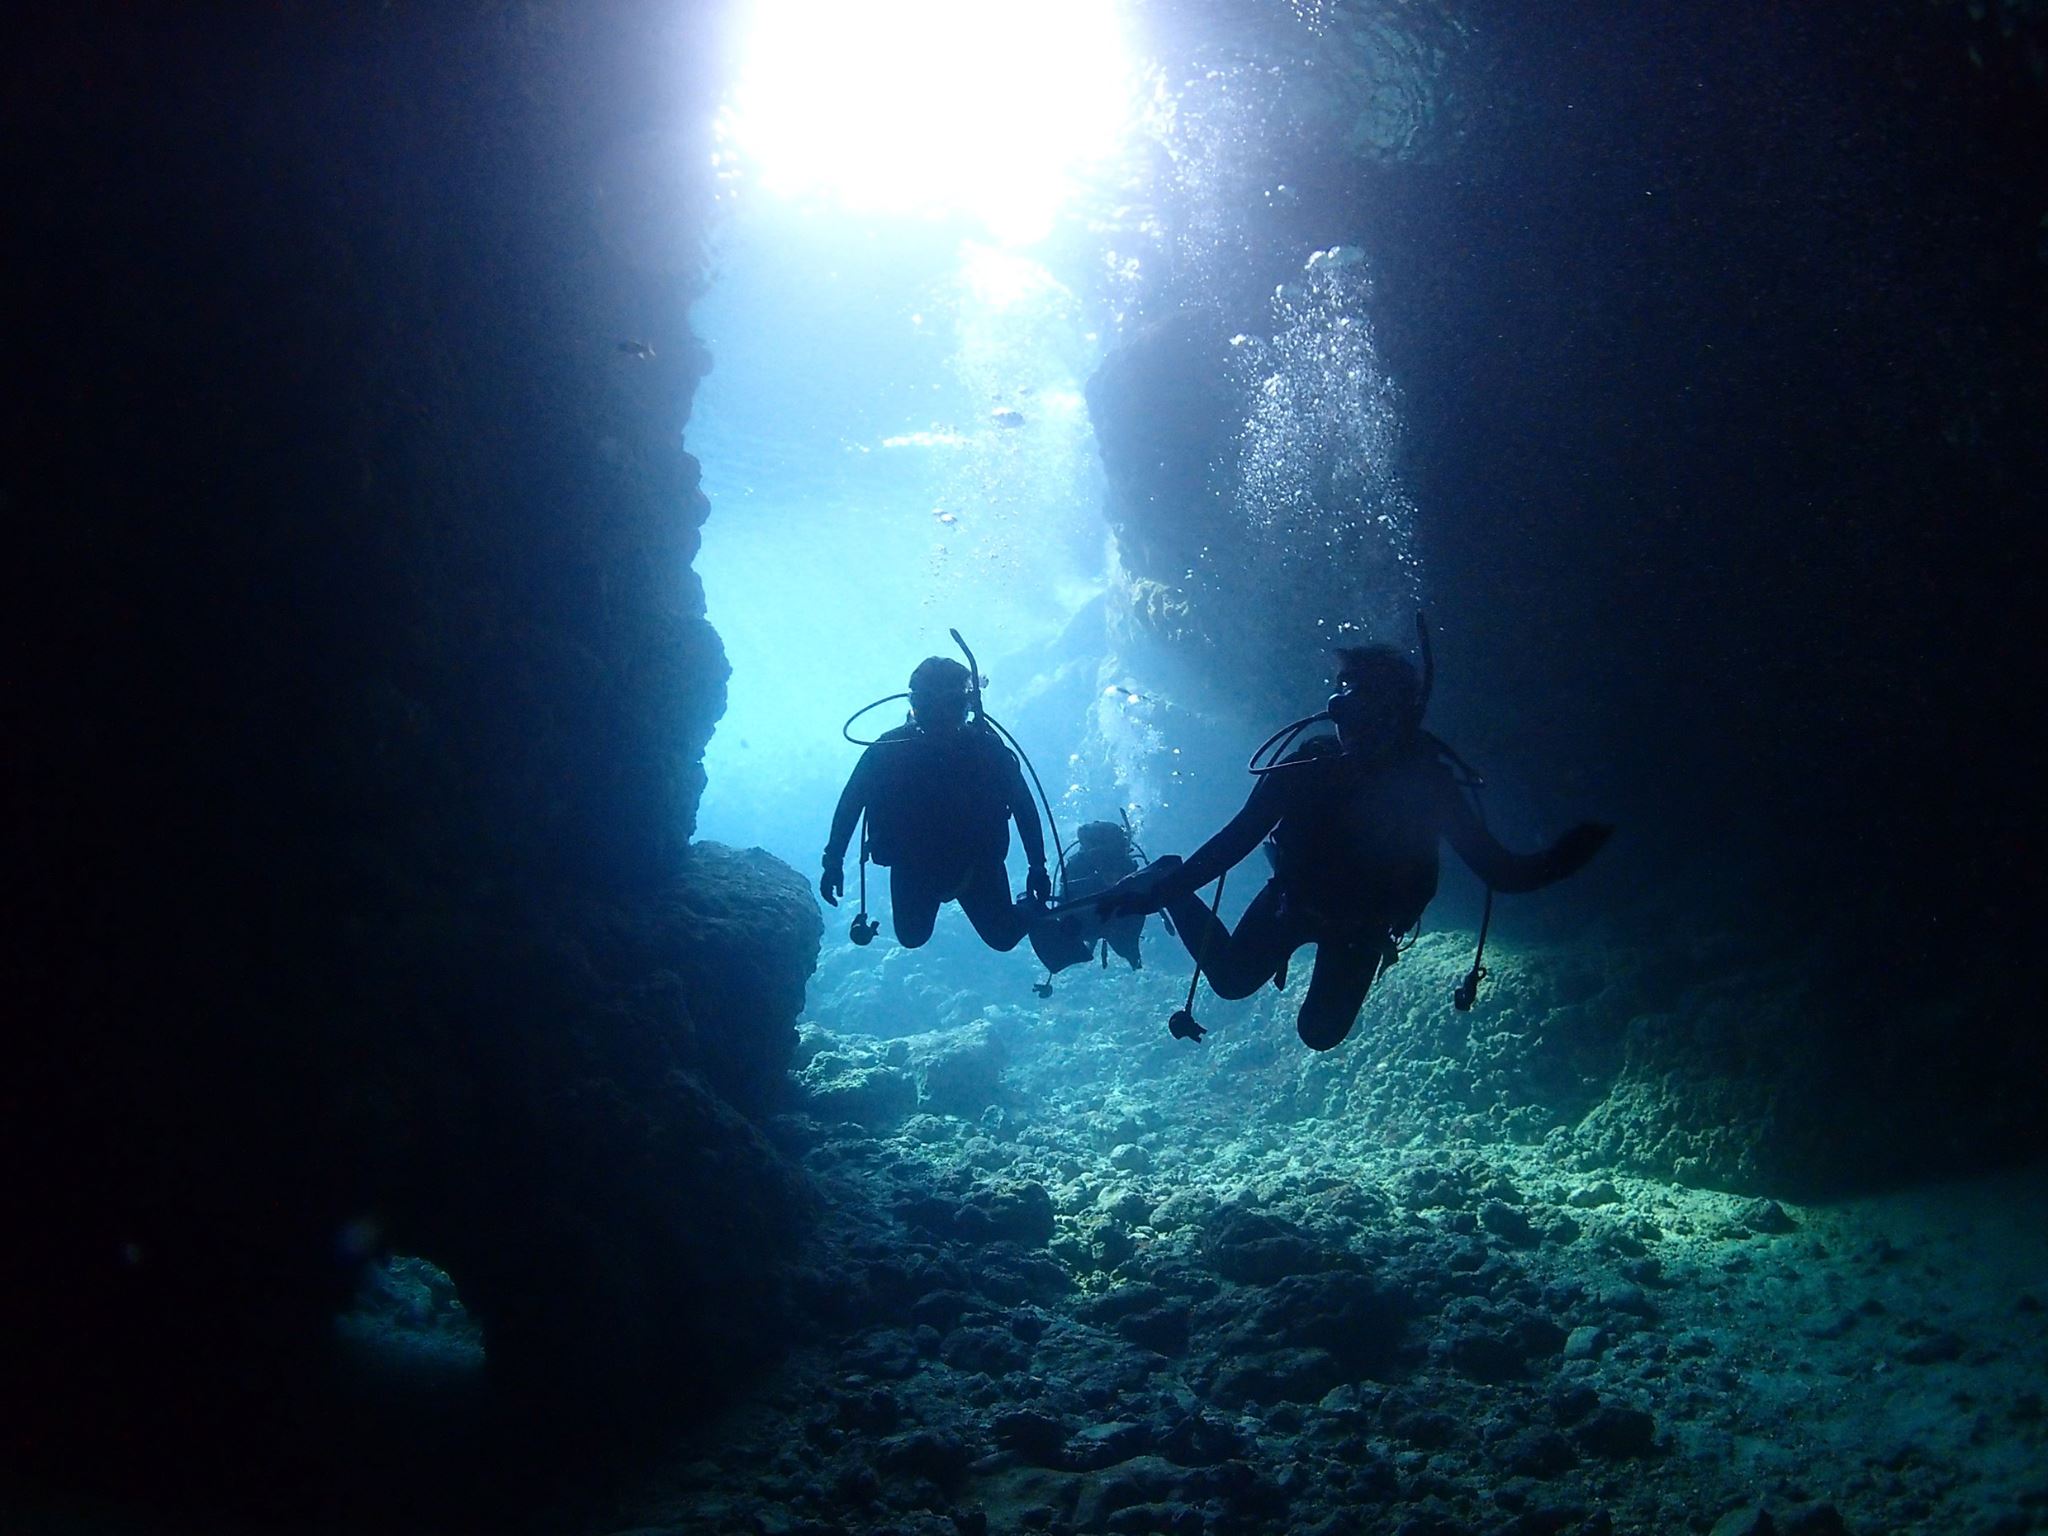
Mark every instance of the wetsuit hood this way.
pixel 940 691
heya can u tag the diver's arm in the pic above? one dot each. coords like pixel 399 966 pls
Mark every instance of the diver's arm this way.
pixel 1513 873
pixel 1229 847
pixel 852 801
pixel 1037 881
pixel 1025 811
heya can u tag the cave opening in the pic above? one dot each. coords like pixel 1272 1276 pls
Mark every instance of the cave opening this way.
pixel 907 304
pixel 920 329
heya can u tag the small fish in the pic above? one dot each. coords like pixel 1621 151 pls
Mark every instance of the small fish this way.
pixel 945 517
pixel 1006 416
pixel 637 348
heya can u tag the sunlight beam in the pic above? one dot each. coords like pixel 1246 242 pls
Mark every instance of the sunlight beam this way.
pixel 930 107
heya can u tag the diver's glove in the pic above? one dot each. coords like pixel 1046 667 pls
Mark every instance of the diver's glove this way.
pixel 832 881
pixel 1038 884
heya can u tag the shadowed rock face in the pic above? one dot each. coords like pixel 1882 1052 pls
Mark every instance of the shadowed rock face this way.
pixel 358 687
pixel 1584 649
pixel 1166 413
pixel 593 1178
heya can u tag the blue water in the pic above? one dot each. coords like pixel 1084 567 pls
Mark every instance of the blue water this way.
pixel 899 447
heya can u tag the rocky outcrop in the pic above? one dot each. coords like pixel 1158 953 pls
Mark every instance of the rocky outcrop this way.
pixel 358 687
pixel 1241 1287
pixel 590 1177
pixel 1166 413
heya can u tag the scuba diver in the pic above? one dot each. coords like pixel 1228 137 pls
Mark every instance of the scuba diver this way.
pixel 934 799
pixel 1104 852
pixel 1352 826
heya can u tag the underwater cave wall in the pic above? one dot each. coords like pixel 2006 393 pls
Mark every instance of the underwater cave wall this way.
pixel 1711 471
pixel 358 687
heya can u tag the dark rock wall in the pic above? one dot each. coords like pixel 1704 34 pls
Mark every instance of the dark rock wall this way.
pixel 1726 401
pixel 1719 339
pixel 357 682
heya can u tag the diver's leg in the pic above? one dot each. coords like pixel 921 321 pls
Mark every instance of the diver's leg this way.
pixel 985 898
pixel 1237 964
pixel 914 898
pixel 1197 927
pixel 1344 972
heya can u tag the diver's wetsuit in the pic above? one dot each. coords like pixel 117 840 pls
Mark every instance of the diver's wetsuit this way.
pixel 939 805
pixel 1354 847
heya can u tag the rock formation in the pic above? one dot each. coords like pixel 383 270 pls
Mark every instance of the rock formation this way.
pixel 358 682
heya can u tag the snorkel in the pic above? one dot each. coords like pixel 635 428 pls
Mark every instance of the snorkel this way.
pixel 974 678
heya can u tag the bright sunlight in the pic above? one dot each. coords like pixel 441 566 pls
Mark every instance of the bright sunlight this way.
pixel 931 107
